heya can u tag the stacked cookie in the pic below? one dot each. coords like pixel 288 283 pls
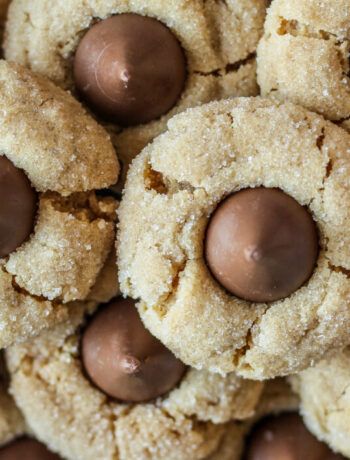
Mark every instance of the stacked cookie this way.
pixel 172 245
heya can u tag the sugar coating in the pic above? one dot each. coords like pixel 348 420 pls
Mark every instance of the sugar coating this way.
pixel 23 315
pixel 66 155
pixel 304 55
pixel 324 391
pixel 172 189
pixel 77 420
pixel 66 151
pixel 65 253
pixel 219 40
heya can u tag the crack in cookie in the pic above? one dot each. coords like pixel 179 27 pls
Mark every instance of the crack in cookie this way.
pixel 217 151
pixel 219 48
pixel 303 56
pixel 181 424
pixel 53 158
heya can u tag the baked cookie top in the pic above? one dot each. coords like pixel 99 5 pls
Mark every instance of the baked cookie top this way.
pixel 304 55
pixel 173 189
pixel 70 414
pixel 218 41
pixel 325 404
pixel 15 437
pixel 56 232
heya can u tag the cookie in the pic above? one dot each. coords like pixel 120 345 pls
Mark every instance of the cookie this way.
pixel 303 55
pixel 12 424
pixel 286 157
pixel 277 398
pixel 83 416
pixel 207 52
pixel 56 232
pixel 106 286
pixel 14 440
pixel 232 443
pixel 324 394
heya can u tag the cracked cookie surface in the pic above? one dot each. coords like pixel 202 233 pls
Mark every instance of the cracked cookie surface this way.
pixel 65 155
pixel 324 392
pixel 172 189
pixel 74 418
pixel 219 39
pixel 304 55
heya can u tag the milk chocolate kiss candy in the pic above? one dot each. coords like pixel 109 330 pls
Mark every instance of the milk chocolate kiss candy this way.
pixel 130 68
pixel 285 437
pixel 18 205
pixel 26 449
pixel 123 359
pixel 261 245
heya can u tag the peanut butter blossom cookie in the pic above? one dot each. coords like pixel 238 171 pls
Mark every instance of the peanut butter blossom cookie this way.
pixel 55 232
pixel 304 55
pixel 102 386
pixel 324 391
pixel 135 64
pixel 234 235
